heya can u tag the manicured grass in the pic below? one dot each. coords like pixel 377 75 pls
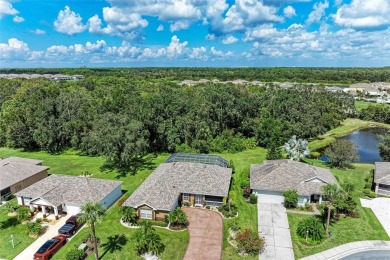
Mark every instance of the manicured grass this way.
pixel 348 126
pixel 361 104
pixel 247 213
pixel 175 242
pixel 366 227
pixel 10 226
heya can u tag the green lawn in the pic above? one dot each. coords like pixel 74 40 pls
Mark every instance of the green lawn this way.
pixel 366 227
pixel 10 226
pixel 361 104
pixel 348 126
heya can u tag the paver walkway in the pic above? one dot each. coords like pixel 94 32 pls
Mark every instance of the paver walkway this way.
pixel 350 248
pixel 273 226
pixel 205 228
pixel 29 252
pixel 381 209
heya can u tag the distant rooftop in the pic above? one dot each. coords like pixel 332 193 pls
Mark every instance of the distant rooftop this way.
pixel 198 158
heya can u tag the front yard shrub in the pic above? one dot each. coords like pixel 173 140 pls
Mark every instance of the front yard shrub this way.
pixel 23 213
pixel 158 223
pixel 245 183
pixel 129 214
pixel 34 228
pixel 177 218
pixel 249 242
pixel 247 192
pixel 9 197
pixel 345 206
pixel 75 254
pixel 11 206
pixel 228 212
pixel 369 193
pixel 308 207
pixel 186 204
pixel 311 226
pixel 290 198
pixel 253 199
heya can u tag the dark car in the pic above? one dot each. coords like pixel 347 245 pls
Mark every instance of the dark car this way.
pixel 49 248
pixel 70 227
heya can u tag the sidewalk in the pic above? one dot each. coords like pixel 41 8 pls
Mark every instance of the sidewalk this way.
pixel 348 249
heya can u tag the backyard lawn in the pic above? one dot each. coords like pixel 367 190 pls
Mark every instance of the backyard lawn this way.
pixel 10 226
pixel 366 227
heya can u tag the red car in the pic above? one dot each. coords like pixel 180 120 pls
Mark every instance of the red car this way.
pixel 48 249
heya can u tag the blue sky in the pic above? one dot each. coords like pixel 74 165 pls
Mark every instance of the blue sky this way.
pixel 222 33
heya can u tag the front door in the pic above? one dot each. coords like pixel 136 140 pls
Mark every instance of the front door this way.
pixel 198 199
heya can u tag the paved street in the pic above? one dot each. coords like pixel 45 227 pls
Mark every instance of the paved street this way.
pixel 273 226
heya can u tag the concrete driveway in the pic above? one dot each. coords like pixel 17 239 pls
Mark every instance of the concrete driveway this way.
pixel 381 209
pixel 273 226
pixel 205 228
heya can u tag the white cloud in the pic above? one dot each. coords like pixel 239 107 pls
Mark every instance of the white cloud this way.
pixel 289 11
pixel 38 32
pixel 179 25
pixel 229 39
pixel 68 22
pixel 318 12
pixel 199 53
pixel 363 14
pixel 6 8
pixel 160 28
pixel 18 19
pixel 14 49
pixel 220 54
pixel 210 37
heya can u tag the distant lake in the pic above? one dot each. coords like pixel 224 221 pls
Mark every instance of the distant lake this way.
pixel 366 141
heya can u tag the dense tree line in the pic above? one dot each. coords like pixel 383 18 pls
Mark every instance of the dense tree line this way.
pixel 308 75
pixel 124 119
pixel 377 113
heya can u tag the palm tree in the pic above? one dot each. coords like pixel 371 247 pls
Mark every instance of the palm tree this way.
pixel 296 148
pixel 147 240
pixel 129 215
pixel 331 192
pixel 177 217
pixel 92 213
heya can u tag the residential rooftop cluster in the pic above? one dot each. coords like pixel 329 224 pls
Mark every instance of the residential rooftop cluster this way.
pixel 56 77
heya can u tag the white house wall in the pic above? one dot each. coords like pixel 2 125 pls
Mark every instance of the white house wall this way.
pixel 71 210
pixel 112 197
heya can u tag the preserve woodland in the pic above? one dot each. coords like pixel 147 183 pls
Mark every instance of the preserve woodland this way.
pixel 123 114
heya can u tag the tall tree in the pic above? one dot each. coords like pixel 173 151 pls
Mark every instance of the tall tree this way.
pixel 331 192
pixel 296 149
pixel 92 213
pixel 384 147
pixel 341 153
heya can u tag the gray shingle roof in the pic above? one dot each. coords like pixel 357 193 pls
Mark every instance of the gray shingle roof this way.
pixel 282 175
pixel 16 169
pixel 382 173
pixel 72 190
pixel 163 186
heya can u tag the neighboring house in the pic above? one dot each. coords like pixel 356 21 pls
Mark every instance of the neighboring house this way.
pixel 196 179
pixel 382 178
pixel 62 193
pixel 18 173
pixel 270 179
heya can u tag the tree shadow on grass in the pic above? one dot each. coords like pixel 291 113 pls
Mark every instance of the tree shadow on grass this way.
pixel 137 164
pixel 10 222
pixel 114 243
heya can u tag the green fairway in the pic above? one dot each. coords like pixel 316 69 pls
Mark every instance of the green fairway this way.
pixel 348 126
pixel 366 227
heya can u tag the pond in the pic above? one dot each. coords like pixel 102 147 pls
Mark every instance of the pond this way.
pixel 366 141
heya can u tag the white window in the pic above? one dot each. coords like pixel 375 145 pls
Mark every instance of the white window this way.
pixel 198 199
pixel 146 213
pixel 186 197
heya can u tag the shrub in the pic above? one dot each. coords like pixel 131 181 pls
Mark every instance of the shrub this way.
pixel 348 187
pixel 34 228
pixel 158 223
pixel 75 254
pixel 129 215
pixel 186 204
pixel 346 205
pixel 178 217
pixel 23 213
pixel 341 153
pixel 207 207
pixel 312 226
pixel 39 220
pixel 11 206
pixel 290 198
pixel 224 209
pixel 308 207
pixel 253 199
pixel 369 193
pixel 9 197
pixel 247 192
pixel 321 207
pixel 245 183
pixel 121 200
pixel 249 242
pixel 148 240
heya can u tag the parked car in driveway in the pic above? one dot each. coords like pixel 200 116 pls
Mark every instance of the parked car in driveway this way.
pixel 49 248
pixel 70 227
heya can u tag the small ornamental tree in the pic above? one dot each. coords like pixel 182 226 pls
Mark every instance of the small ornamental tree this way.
pixel 129 215
pixel 290 198
pixel 147 240
pixel 249 242
pixel 312 227
pixel 296 149
pixel 341 153
pixel 177 217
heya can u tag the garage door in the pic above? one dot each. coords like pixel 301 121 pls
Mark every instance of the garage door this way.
pixel 72 210
pixel 269 196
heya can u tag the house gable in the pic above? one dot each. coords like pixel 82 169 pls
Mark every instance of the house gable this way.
pixel 316 180
pixel 40 201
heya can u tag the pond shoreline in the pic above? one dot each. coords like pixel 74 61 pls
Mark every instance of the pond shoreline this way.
pixel 347 127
